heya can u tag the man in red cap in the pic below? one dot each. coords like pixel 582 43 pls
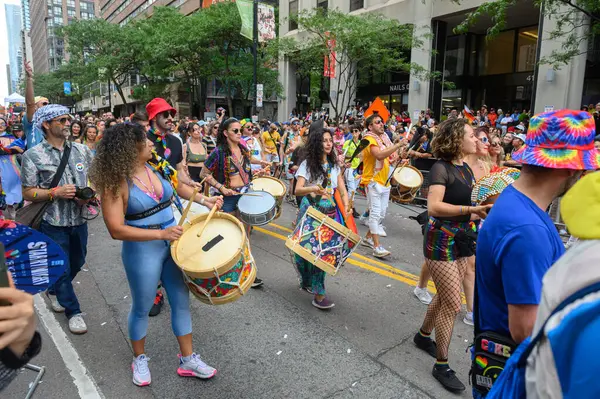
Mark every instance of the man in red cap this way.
pixel 169 147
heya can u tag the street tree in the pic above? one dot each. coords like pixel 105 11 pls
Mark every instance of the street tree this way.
pixel 357 46
pixel 577 22
pixel 107 52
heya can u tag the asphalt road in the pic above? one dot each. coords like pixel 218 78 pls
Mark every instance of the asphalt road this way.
pixel 269 344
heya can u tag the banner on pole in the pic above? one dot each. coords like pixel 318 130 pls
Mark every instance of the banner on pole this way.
pixel 266 22
pixel 246 10
pixel 259 95
pixel 67 88
pixel 329 63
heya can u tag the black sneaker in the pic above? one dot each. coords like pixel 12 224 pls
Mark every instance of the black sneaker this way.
pixel 447 377
pixel 354 213
pixel 426 344
pixel 159 300
pixel 257 283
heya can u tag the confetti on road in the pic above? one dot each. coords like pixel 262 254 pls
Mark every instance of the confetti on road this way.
pixel 85 270
pixel 389 286
pixel 125 297
pixel 349 350
pixel 285 336
pixel 278 353
pixel 354 383
pixel 103 324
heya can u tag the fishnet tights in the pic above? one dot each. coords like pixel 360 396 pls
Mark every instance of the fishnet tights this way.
pixel 444 307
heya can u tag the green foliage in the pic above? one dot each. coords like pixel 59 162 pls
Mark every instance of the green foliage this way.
pixel 51 85
pixel 364 45
pixel 577 21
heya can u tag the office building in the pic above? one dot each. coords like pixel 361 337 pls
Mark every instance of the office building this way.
pixel 501 73
pixel 15 57
pixel 48 50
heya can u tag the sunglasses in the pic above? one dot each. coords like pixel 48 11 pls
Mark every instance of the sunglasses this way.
pixel 295 123
pixel 216 127
pixel 236 131
pixel 249 127
pixel 44 104
pixel 484 140
pixel 355 130
pixel 379 122
pixel 495 144
pixel 167 114
pixel 62 120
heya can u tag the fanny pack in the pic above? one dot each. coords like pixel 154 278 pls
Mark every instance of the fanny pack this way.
pixel 490 354
pixel 465 240
pixel 149 212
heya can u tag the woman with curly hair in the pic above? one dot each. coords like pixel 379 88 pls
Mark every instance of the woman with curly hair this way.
pixel 448 204
pixel 318 177
pixel 89 137
pixel 136 205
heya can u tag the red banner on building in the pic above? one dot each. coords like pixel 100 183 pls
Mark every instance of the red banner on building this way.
pixel 329 63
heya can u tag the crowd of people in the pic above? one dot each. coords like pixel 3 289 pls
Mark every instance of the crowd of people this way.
pixel 496 251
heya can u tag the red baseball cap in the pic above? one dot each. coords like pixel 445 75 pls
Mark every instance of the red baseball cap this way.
pixel 158 105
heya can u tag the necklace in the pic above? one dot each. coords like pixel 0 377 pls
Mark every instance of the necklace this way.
pixel 162 139
pixel 150 192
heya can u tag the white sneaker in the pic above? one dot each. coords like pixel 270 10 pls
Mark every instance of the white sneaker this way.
pixel 368 242
pixel 195 367
pixel 364 220
pixel 382 232
pixel 54 304
pixel 141 372
pixel 468 319
pixel 380 252
pixel 423 295
pixel 77 324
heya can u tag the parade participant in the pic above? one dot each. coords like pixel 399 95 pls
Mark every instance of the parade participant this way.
pixel 210 139
pixel 496 153
pixel 350 174
pixel 132 192
pixel 89 137
pixel 228 169
pixel 195 153
pixel 255 147
pixel 76 130
pixel 448 205
pixel 100 127
pixel 516 249
pixel 10 150
pixel 298 156
pixel 376 170
pixel 319 176
pixel 271 140
pixel 62 221
pixel 518 142
pixel 141 118
pixel 169 148
pixel 290 139
pixel 33 134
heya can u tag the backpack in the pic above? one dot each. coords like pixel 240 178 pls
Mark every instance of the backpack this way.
pixel 561 359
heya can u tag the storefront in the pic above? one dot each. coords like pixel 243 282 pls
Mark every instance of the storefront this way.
pixel 394 95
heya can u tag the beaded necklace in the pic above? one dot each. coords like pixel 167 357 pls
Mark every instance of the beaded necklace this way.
pixel 162 140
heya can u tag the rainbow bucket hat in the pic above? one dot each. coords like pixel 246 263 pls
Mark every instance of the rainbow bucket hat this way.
pixel 562 139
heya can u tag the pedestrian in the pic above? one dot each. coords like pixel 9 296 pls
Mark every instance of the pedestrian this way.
pixel 376 170
pixel 89 137
pixel 272 140
pixel 319 176
pixel 33 134
pixel 449 207
pixel 76 130
pixel 10 151
pixel 228 170
pixel 351 174
pixel 210 139
pixel 518 241
pixel 290 139
pixel 132 195
pixel 63 221
pixel 195 153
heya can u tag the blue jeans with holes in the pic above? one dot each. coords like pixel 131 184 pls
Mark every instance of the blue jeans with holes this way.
pixel 72 240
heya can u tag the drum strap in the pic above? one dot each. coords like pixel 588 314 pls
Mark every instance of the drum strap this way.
pixel 149 212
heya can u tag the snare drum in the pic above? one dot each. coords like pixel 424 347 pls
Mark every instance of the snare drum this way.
pixel 410 180
pixel 273 186
pixel 257 208
pixel 322 241
pixel 218 267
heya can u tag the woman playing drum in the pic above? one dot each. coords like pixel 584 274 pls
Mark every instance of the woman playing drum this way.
pixel 136 207
pixel 318 177
pixel 228 169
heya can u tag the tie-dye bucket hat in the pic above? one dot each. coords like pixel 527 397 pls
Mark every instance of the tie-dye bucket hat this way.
pixel 562 139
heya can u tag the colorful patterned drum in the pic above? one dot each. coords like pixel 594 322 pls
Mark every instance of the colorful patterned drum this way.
pixel 273 186
pixel 218 267
pixel 410 180
pixel 322 241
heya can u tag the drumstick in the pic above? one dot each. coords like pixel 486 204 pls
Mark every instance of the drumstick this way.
pixel 188 207
pixel 252 194
pixel 210 215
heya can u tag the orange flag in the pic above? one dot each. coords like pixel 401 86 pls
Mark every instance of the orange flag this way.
pixel 378 107
pixel 468 114
pixel 349 219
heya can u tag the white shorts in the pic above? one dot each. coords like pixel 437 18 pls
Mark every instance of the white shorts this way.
pixel 273 158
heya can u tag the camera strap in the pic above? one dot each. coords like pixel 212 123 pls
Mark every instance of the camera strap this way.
pixel 61 167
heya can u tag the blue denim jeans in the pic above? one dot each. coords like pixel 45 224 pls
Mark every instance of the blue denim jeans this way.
pixel 72 240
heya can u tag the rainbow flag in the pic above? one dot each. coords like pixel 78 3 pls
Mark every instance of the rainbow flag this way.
pixel 467 113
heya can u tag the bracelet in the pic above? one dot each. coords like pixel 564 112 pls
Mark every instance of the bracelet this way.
pixel 461 210
pixel 35 194
pixel 51 195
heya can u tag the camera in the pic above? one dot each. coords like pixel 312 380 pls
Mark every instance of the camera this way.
pixel 85 193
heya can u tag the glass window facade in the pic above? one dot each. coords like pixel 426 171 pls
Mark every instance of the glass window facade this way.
pixel 293 12
pixel 496 56
pixel 526 49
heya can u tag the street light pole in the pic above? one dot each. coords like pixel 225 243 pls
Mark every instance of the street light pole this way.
pixel 255 53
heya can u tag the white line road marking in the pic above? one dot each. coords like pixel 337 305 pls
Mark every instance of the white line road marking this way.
pixel 81 378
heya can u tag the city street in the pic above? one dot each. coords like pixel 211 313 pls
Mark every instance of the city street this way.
pixel 269 344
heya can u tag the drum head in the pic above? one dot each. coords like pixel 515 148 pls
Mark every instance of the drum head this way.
pixel 220 244
pixel 257 203
pixel 408 177
pixel 270 185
